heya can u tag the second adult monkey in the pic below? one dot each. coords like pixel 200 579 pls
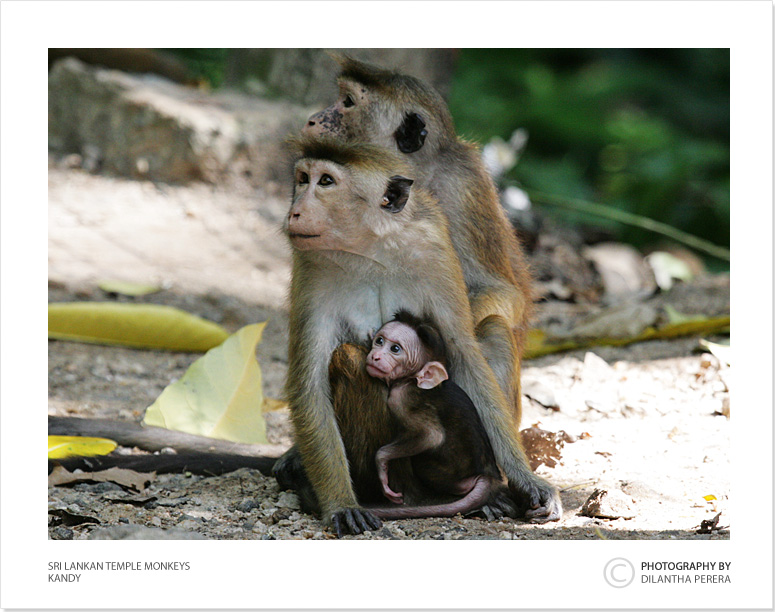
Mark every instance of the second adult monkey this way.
pixel 440 430
pixel 409 117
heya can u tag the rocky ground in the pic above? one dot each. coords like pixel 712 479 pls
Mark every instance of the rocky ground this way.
pixel 651 419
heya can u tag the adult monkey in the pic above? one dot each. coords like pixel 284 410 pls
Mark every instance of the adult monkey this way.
pixel 367 244
pixel 404 114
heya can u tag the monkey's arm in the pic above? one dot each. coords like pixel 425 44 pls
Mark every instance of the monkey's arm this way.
pixel 312 340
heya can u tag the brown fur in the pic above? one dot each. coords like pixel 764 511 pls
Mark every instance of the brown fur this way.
pixel 341 294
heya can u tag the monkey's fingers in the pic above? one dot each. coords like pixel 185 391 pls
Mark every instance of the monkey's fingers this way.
pixel 490 513
pixel 549 510
pixel 539 500
pixel 354 521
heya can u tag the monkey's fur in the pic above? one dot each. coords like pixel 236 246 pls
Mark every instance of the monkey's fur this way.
pixel 367 244
pixel 407 116
pixel 441 432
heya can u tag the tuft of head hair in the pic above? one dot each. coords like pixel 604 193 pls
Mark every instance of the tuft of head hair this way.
pixel 427 333
pixel 394 83
pixel 369 157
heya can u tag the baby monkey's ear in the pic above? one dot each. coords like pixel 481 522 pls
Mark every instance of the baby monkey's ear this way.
pixel 431 375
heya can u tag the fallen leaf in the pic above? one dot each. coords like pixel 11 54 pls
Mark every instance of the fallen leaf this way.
pixel 135 325
pixel 125 478
pixel 667 268
pixel 60 447
pixel 723 352
pixel 544 447
pixel 71 519
pixel 220 394
pixel 710 525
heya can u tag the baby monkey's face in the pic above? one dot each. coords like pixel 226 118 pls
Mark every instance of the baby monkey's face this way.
pixel 396 353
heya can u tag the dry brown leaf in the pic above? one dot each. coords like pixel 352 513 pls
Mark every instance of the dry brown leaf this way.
pixel 125 478
pixel 544 447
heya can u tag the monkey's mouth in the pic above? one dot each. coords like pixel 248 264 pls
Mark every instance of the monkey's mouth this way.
pixel 302 236
pixel 374 371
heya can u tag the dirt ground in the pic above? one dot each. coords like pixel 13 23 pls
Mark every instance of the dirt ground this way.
pixel 648 417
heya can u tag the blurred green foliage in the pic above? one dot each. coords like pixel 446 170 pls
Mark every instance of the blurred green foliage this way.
pixel 641 130
pixel 207 65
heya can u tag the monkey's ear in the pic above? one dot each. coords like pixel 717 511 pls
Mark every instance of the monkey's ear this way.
pixel 431 375
pixel 410 135
pixel 396 194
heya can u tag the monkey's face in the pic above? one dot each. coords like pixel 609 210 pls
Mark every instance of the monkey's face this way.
pixel 362 114
pixel 396 353
pixel 323 212
pixel 344 207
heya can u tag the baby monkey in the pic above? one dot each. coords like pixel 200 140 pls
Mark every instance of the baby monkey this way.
pixel 442 434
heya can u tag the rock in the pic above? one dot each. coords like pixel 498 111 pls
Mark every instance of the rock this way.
pixel 288 500
pixel 246 505
pixel 61 533
pixel 624 271
pixel 611 504
pixel 144 126
pixel 540 393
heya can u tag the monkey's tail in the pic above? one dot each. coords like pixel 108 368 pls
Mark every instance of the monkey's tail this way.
pixel 475 499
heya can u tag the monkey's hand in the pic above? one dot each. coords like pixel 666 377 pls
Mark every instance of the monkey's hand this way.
pixel 353 521
pixel 540 499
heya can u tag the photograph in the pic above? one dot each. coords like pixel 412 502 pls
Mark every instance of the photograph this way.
pixel 513 263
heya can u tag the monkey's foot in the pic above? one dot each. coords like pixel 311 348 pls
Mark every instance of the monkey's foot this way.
pixel 396 498
pixel 353 521
pixel 541 500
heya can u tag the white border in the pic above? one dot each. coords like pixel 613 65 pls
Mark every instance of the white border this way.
pixel 525 574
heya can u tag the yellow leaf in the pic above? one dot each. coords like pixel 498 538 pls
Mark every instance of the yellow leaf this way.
pixel 219 395
pixel 131 289
pixel 135 325
pixel 709 497
pixel 60 447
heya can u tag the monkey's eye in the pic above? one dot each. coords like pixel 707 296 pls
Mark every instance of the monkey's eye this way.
pixel 379 341
pixel 326 180
pixel 303 178
pixel 395 349
pixel 348 101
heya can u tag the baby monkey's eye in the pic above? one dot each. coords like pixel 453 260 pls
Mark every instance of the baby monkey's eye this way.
pixel 378 341
pixel 395 349
pixel 348 101
pixel 303 178
pixel 326 180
